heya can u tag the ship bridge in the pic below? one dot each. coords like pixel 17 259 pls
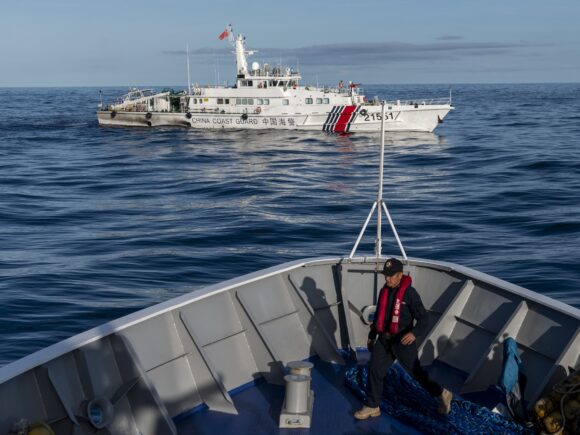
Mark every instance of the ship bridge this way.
pixel 261 76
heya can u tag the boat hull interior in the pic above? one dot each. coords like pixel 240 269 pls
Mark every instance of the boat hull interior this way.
pixel 151 368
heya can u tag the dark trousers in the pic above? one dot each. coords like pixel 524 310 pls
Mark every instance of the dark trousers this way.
pixel 383 355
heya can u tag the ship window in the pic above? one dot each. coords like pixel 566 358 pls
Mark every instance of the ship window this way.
pixel 220 101
pixel 259 101
pixel 205 100
pixel 227 100
pixel 285 102
pixel 244 101
pixel 274 82
pixel 319 101
pixel 250 83
pixel 266 101
pixel 326 101
pixel 250 101
pixel 238 101
pixel 281 83
pixel 309 101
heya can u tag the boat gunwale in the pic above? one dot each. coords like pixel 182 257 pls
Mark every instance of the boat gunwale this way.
pixel 56 350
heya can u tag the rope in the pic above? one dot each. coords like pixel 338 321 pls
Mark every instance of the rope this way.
pixel 404 399
pixel 567 387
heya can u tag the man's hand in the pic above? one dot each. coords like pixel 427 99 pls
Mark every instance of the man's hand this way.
pixel 408 339
pixel 370 345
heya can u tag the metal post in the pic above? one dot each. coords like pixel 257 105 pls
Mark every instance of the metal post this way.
pixel 395 231
pixel 363 230
pixel 378 241
pixel 188 79
pixel 381 204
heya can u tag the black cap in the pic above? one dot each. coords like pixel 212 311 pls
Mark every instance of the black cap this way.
pixel 392 266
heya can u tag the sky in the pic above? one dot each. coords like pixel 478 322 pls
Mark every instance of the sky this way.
pixel 143 43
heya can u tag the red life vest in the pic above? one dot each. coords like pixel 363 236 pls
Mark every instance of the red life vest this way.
pixel 382 306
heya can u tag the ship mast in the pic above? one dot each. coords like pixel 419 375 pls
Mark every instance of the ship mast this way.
pixel 188 78
pixel 241 53
pixel 241 62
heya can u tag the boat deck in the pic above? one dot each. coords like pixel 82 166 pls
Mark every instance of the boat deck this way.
pixel 259 408
pixel 161 362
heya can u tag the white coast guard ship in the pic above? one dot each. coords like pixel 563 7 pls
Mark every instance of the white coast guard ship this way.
pixel 266 97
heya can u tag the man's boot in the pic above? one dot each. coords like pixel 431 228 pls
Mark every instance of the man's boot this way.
pixel 366 412
pixel 445 402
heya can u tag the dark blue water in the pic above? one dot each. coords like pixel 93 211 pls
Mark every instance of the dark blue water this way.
pixel 98 222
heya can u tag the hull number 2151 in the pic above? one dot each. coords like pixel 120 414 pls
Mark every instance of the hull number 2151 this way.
pixel 378 116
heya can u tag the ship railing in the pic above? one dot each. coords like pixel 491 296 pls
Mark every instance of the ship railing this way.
pixel 415 102
pixel 224 111
pixel 421 102
pixel 261 74
pixel 336 90
pixel 129 107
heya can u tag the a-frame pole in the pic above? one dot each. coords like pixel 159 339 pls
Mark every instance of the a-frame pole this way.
pixel 378 241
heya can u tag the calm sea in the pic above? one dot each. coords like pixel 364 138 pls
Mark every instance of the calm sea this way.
pixel 96 223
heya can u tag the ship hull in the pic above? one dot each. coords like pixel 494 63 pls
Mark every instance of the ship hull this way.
pixel 340 119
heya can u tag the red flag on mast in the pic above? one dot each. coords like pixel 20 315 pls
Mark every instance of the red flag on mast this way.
pixel 223 35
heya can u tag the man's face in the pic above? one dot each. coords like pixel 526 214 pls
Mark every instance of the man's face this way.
pixel 393 281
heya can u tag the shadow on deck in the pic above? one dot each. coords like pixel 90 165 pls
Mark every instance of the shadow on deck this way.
pixel 259 408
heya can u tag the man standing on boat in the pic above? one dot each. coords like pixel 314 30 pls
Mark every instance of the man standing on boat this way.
pixel 400 317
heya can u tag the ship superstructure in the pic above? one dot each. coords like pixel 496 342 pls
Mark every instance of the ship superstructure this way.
pixel 271 97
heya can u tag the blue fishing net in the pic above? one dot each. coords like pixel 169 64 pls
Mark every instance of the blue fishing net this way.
pixel 407 401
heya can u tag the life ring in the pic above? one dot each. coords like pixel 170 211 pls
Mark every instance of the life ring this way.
pixel 188 115
pixel 148 115
pixel 364 112
pixel 258 109
pixel 368 313
pixel 113 113
pixel 244 116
